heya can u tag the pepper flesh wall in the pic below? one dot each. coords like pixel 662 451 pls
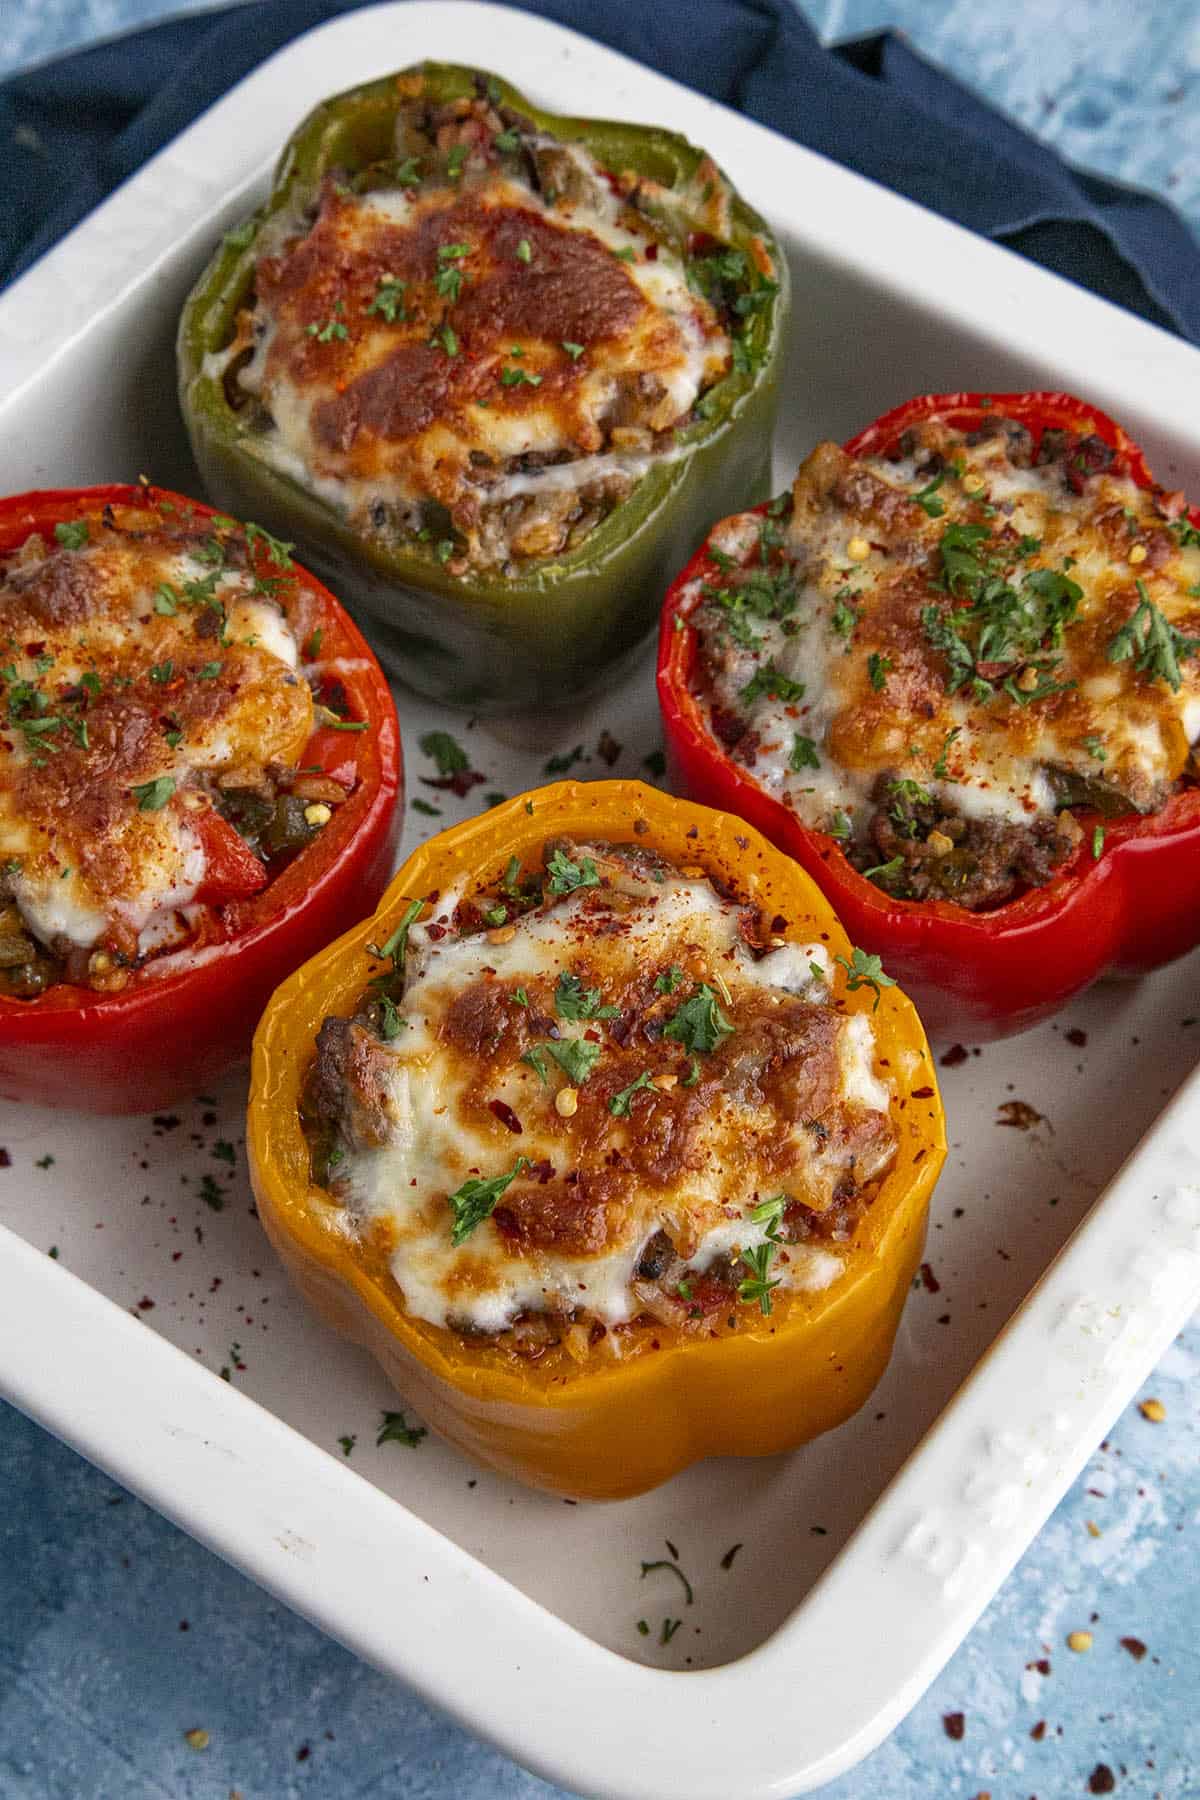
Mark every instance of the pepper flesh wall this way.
pixel 680 985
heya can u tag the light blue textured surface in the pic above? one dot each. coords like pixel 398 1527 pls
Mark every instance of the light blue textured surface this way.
pixel 118 1634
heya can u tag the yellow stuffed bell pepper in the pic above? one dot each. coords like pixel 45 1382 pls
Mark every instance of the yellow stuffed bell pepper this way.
pixel 603 1139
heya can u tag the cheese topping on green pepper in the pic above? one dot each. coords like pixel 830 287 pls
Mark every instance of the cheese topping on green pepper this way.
pixel 483 342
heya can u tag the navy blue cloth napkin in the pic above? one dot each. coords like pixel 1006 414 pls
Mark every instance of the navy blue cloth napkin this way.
pixel 73 129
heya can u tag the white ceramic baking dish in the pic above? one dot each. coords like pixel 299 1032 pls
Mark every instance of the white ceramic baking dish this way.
pixel 865 1558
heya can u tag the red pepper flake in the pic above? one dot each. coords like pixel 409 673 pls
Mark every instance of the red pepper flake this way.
pixel 608 748
pixel 1135 1647
pixel 929 1281
pixel 923 1093
pixel 506 1115
pixel 1037 1732
pixel 145 1304
pixel 1019 1113
pixel 304 1752
pixel 957 1053
pixel 1077 1037
pixel 1101 1780
pixel 954 1725
pixel 5 1160
pixel 460 782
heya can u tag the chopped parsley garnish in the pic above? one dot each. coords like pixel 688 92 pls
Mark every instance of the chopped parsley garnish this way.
pixel 620 1103
pixel 455 161
pixel 408 173
pixel 278 552
pixel 448 280
pixel 756 1285
pixel 211 1193
pixel 1185 531
pixel 804 754
pixel 511 377
pixel 495 915
pixel 1155 645
pixel 566 876
pixel 152 796
pixel 397 1430
pixel 699 1024
pixel 535 1056
pixel 844 617
pixel 574 351
pixel 770 1212
pixel 1097 842
pixel 575 1057
pixel 864 970
pixel 1095 749
pixel 447 337
pixel 524 252
pixel 445 751
pixel 330 329
pixel 476 1200
pixel 669 980
pixel 557 765
pixel 885 871
pixel 389 299
pixel 940 771
pixel 772 681
pixel 208 672
pixel 878 669
pixel 162 672
pixel 72 534
pixel 391 1020
pixel 1000 626
pixel 929 500
pixel 395 947
pixel 626 253
pixel 573 1001
pixel 507 141
pixel 662 1563
pixel 905 795
pixel 839 826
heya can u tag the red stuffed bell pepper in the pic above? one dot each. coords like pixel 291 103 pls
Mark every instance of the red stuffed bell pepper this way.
pixel 956 674
pixel 200 770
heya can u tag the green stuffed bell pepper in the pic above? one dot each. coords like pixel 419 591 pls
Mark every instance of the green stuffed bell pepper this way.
pixel 494 370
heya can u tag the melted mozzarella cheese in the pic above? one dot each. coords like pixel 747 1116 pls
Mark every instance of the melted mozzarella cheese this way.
pixel 995 764
pixel 650 363
pixel 437 1137
pixel 116 671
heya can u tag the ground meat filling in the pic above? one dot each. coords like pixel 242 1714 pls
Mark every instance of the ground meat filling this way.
pixel 484 342
pixel 613 1086
pixel 959 659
